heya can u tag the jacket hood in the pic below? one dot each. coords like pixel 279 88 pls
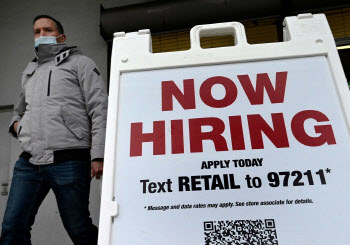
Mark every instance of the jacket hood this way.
pixel 47 52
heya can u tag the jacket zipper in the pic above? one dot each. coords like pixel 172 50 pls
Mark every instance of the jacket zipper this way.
pixel 19 131
pixel 48 87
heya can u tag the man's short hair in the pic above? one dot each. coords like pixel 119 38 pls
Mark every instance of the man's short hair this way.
pixel 58 24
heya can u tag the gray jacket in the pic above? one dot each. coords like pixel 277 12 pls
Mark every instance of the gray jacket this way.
pixel 63 104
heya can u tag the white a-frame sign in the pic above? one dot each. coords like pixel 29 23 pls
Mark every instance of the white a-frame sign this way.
pixel 247 144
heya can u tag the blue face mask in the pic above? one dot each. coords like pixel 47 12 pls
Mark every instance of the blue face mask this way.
pixel 45 40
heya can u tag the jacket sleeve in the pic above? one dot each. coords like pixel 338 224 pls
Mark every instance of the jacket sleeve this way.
pixel 17 114
pixel 94 92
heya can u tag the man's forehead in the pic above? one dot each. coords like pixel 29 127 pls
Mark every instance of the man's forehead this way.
pixel 44 22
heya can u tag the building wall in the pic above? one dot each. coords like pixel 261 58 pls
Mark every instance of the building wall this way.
pixel 80 19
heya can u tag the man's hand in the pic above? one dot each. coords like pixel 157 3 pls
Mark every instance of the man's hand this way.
pixel 96 169
pixel 15 126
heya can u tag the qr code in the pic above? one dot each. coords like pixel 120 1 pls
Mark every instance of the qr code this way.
pixel 239 232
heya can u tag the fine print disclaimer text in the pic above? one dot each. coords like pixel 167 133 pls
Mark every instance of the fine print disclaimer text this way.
pixel 226 205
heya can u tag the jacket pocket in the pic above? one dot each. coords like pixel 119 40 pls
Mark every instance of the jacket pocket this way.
pixel 19 130
pixel 24 134
pixel 49 84
pixel 70 120
pixel 19 127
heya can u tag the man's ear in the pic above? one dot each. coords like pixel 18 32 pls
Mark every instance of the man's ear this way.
pixel 62 38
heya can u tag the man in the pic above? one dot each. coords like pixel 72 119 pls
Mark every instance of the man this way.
pixel 60 120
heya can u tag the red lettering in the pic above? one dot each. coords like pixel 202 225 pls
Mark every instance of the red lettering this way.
pixel 325 131
pixel 197 136
pixel 277 135
pixel 256 97
pixel 177 137
pixel 230 92
pixel 186 99
pixel 237 136
pixel 157 137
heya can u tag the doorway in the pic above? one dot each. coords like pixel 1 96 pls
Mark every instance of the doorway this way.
pixel 6 113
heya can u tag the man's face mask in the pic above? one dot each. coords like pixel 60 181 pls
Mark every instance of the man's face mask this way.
pixel 45 40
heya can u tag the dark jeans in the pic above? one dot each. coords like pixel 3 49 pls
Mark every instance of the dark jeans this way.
pixel 70 182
